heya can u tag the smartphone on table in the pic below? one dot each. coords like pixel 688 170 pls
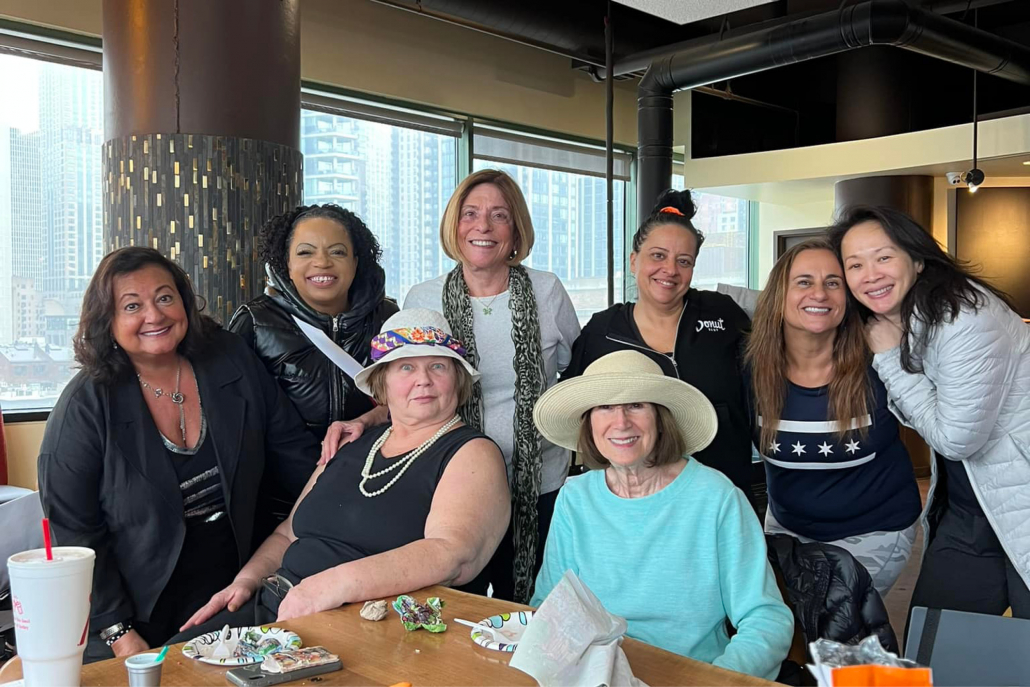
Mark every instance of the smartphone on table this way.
pixel 253 676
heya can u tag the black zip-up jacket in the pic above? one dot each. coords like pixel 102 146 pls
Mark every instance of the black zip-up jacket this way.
pixel 830 592
pixel 708 355
pixel 320 391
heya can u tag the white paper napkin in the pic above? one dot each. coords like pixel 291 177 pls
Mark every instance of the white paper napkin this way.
pixel 573 640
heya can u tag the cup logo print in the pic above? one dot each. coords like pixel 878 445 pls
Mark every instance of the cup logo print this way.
pixel 711 325
pixel 20 621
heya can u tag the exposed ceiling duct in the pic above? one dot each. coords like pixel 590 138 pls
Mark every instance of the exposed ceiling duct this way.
pixel 856 25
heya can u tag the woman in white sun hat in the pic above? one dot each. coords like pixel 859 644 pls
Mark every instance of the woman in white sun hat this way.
pixel 663 541
pixel 419 501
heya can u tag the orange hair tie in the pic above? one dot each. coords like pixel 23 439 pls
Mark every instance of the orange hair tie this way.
pixel 671 210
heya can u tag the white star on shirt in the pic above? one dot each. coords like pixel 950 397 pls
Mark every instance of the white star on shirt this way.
pixel 825 449
pixel 774 447
pixel 798 448
pixel 852 447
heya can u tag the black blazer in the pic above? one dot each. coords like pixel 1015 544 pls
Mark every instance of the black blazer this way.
pixel 106 482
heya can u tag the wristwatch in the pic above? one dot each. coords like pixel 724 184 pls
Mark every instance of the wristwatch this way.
pixel 112 634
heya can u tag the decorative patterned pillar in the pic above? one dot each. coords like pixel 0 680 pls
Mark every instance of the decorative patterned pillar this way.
pixel 202 119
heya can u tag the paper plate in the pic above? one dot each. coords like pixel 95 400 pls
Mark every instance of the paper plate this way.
pixel 510 625
pixel 248 645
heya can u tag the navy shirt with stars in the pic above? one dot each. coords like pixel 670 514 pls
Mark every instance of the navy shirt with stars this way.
pixel 826 488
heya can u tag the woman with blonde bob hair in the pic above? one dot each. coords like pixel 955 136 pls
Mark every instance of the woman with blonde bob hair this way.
pixel 836 468
pixel 652 516
pixel 526 321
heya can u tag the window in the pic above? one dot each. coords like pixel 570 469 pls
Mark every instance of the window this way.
pixel 565 189
pixel 395 170
pixel 724 221
pixel 51 237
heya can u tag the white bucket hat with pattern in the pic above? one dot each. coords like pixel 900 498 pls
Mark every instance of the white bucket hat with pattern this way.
pixel 413 333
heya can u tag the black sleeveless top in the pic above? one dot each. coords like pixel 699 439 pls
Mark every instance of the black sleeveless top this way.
pixel 337 524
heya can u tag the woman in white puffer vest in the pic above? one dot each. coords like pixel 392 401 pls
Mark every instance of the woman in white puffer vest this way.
pixel 955 359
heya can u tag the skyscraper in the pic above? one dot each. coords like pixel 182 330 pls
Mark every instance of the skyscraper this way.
pixel 70 121
pixel 398 180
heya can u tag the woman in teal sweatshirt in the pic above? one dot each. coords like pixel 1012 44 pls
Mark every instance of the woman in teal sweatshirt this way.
pixel 665 542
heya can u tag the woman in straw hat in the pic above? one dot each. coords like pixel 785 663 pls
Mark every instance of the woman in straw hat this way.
pixel 665 542
pixel 419 501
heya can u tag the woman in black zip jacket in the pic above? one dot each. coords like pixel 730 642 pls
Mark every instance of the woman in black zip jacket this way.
pixel 323 267
pixel 696 336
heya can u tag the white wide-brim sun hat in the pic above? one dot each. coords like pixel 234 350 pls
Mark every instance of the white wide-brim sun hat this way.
pixel 624 377
pixel 413 333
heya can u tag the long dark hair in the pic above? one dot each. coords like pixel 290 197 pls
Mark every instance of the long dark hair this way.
pixel 850 394
pixel 939 292
pixel 274 241
pixel 684 211
pixel 93 342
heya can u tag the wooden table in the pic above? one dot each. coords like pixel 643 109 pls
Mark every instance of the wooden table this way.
pixel 383 653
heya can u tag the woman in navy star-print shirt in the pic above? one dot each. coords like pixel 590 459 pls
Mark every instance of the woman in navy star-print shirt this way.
pixel 848 483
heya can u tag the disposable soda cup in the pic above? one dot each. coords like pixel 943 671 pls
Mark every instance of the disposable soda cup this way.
pixel 50 600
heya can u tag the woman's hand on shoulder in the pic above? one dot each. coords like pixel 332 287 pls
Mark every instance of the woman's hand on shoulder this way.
pixel 232 597
pixel 882 334
pixel 129 643
pixel 340 433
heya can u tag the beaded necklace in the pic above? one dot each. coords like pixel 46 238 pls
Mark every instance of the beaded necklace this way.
pixel 403 463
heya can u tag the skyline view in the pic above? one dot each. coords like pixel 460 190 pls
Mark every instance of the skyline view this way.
pixel 397 179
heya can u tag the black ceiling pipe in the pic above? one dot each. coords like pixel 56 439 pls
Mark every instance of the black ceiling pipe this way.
pixel 872 22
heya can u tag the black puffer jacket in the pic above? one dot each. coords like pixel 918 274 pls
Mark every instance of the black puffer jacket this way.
pixel 321 392
pixel 831 594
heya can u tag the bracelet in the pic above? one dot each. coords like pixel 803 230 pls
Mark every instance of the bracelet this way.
pixel 112 634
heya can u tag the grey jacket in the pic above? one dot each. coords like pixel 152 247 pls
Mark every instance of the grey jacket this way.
pixel 972 403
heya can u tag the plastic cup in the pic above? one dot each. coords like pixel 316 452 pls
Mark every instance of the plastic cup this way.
pixel 50 600
pixel 144 670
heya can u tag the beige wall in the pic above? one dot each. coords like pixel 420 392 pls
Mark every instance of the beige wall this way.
pixel 361 45
pixel 773 217
pixel 23 439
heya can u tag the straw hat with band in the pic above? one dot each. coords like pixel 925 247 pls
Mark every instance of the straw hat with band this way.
pixel 413 333
pixel 624 377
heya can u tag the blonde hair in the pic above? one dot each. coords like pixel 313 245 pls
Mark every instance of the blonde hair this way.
pixel 850 394
pixel 522 228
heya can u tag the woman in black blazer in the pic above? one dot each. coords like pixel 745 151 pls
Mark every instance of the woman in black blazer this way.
pixel 155 454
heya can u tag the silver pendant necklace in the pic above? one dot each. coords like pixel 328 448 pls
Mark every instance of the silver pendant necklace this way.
pixel 175 397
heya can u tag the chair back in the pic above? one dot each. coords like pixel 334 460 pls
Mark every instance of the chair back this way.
pixel 970 648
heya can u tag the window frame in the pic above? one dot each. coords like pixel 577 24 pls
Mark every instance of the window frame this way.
pixel 84 51
pixel 55 46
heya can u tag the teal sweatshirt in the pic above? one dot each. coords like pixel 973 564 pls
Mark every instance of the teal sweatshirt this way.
pixel 675 564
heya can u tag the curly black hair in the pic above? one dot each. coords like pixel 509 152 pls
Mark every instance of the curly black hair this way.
pixel 683 210
pixel 274 240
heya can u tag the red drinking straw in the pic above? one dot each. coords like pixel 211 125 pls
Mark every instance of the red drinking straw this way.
pixel 46 539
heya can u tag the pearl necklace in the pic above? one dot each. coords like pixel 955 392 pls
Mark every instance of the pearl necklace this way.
pixel 404 463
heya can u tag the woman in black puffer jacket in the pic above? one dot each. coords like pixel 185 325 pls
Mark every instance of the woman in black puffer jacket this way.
pixel 323 267
pixel 831 594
